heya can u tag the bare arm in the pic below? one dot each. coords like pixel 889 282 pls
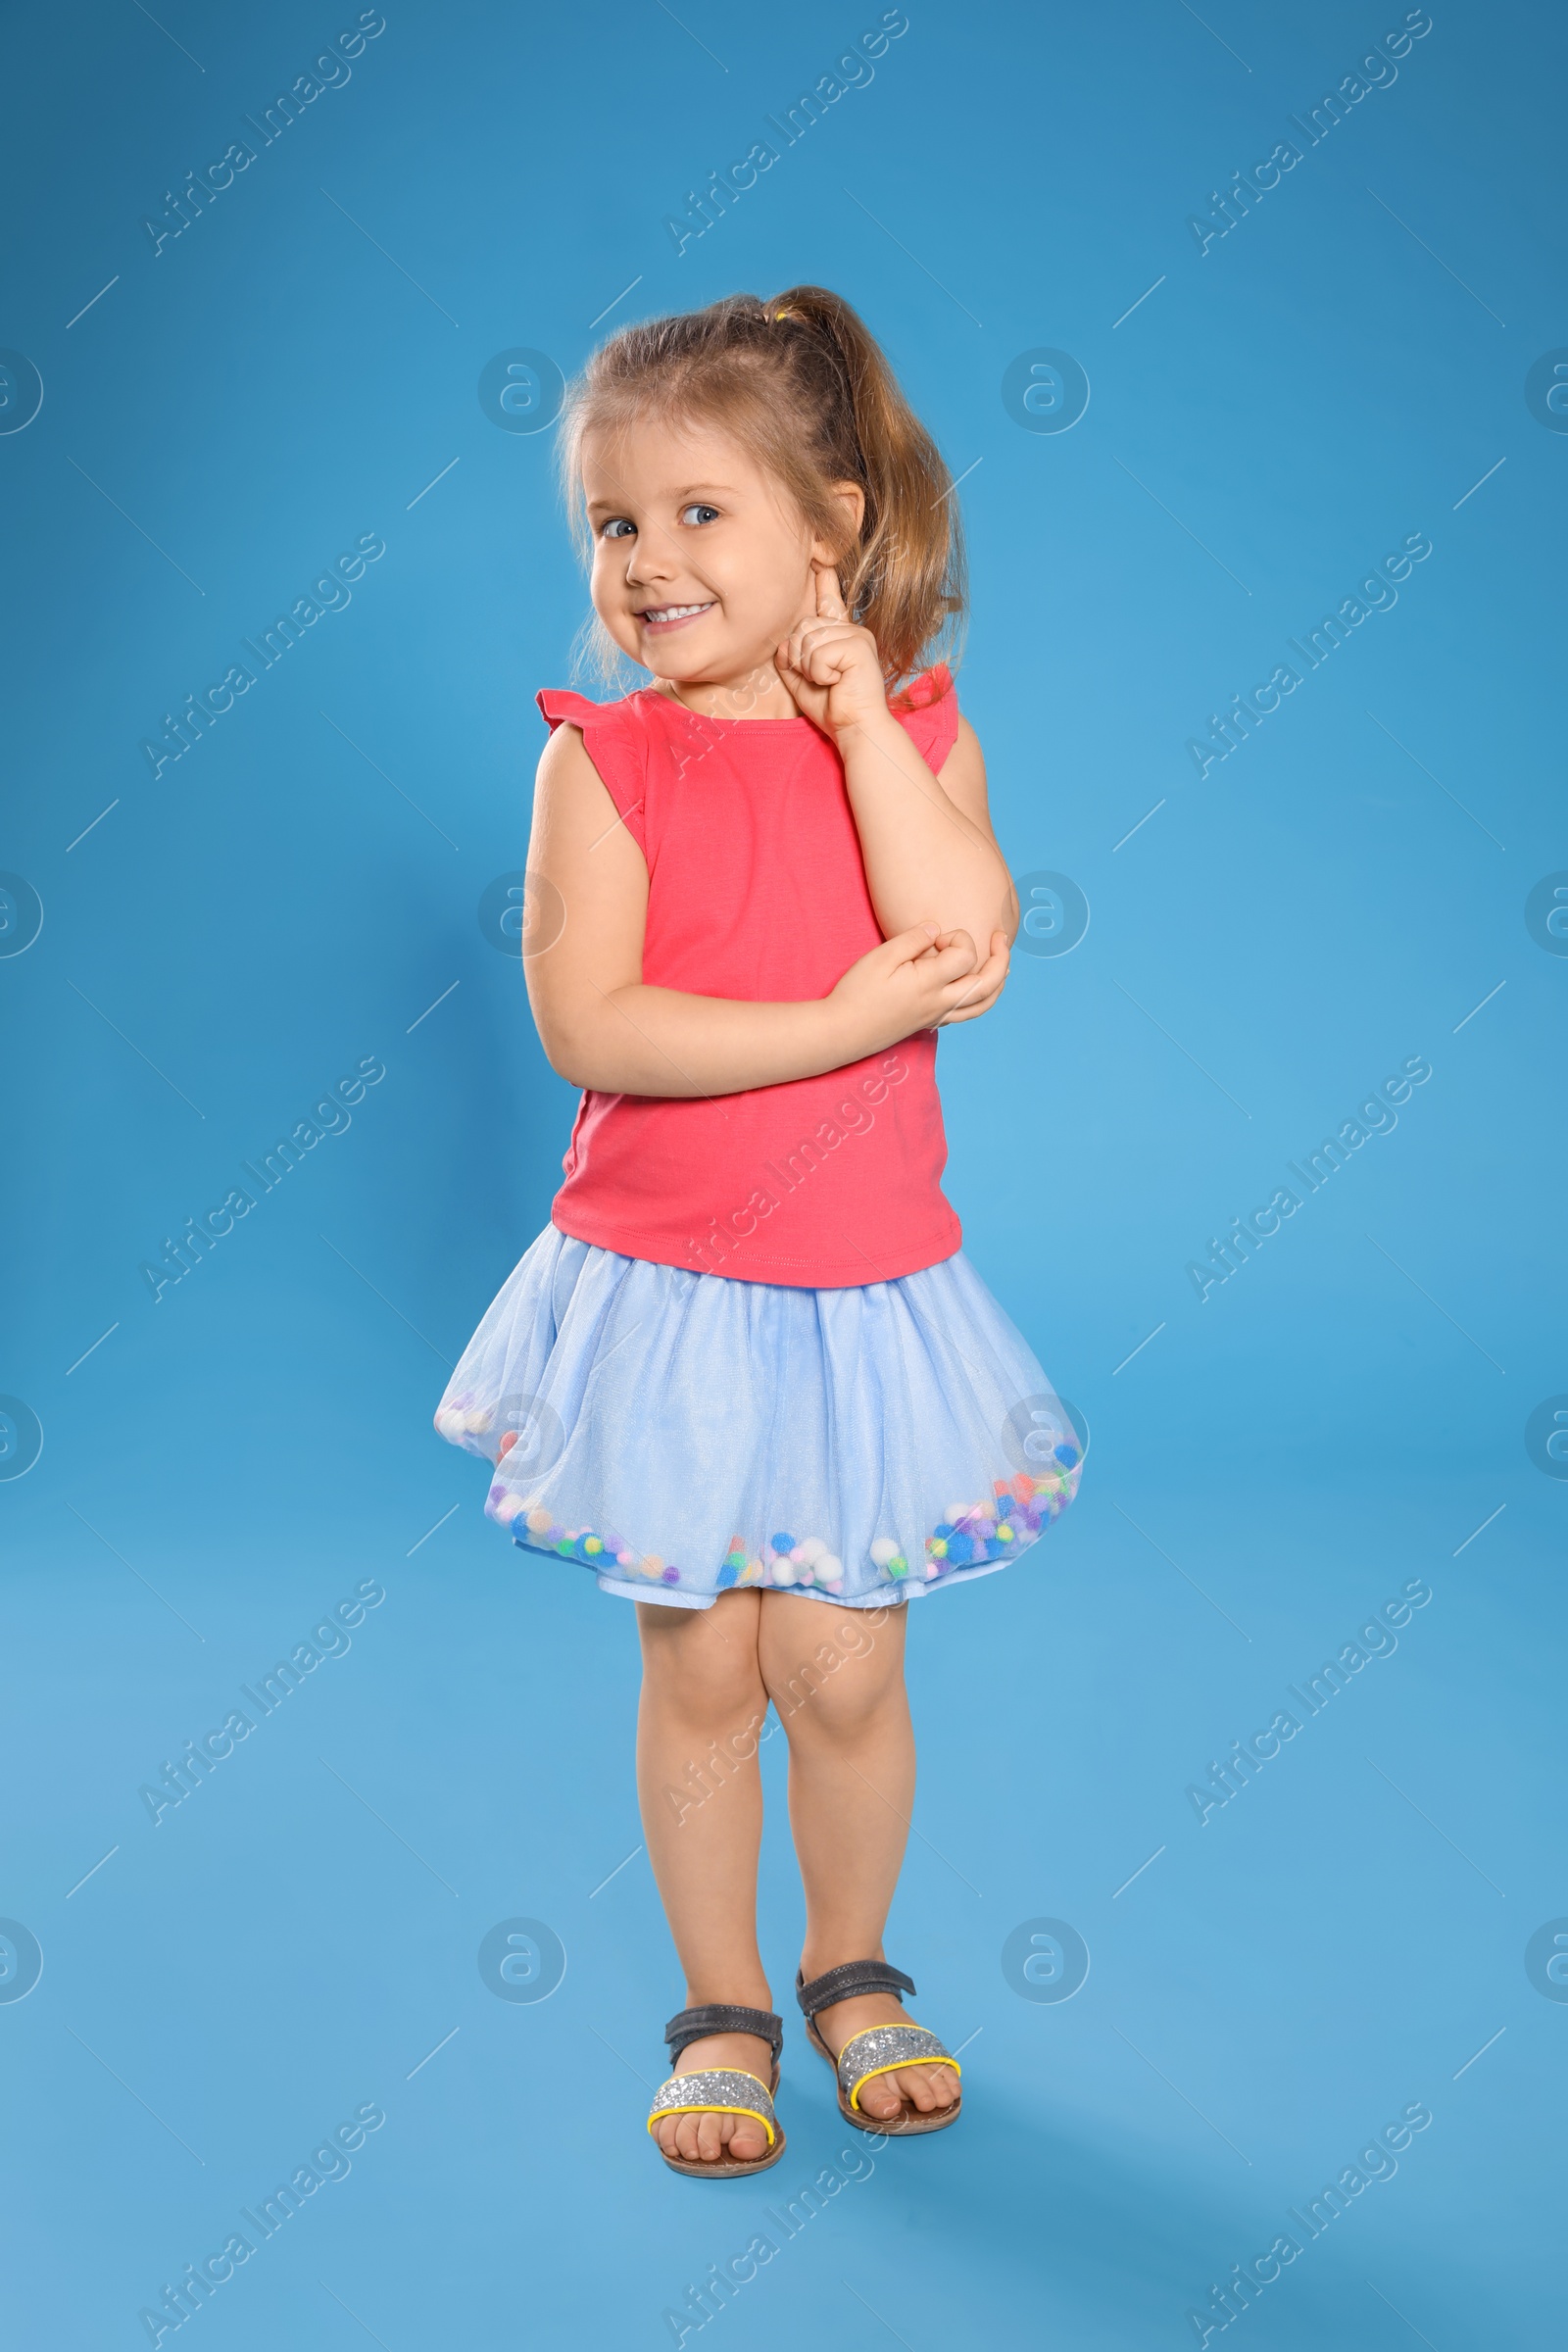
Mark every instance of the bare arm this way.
pixel 601 1027
pixel 930 854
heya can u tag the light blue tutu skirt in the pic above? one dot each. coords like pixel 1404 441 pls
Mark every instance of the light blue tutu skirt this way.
pixel 681 1434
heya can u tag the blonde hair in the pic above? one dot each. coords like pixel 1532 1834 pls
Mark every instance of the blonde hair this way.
pixel 803 383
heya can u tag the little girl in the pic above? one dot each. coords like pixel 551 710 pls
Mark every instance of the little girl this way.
pixel 747 1362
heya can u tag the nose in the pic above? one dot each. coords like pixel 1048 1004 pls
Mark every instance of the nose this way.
pixel 651 558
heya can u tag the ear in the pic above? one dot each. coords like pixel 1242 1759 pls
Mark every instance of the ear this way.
pixel 851 497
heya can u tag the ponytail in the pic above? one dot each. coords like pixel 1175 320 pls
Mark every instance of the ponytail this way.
pixel 803 382
pixel 906 573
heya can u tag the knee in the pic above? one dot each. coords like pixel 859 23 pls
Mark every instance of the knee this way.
pixel 835 1689
pixel 705 1673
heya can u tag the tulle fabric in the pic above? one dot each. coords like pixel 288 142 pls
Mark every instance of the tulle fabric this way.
pixel 681 1434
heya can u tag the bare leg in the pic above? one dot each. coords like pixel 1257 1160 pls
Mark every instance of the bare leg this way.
pixel 701 1711
pixel 837 1679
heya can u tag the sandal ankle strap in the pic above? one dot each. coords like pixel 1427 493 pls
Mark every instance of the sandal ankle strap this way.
pixel 722 2016
pixel 846 1981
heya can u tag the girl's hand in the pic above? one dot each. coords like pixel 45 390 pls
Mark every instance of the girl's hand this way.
pixel 919 979
pixel 829 666
pixel 987 981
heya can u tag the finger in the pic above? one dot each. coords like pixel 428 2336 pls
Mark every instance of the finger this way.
pixel 807 633
pixel 904 946
pixel 820 661
pixel 944 979
pixel 818 651
pixel 973 990
pixel 946 940
pixel 794 653
pixel 829 594
pixel 827 631
pixel 976 989
pixel 789 678
pixel 971 1003
pixel 953 964
pixel 994 964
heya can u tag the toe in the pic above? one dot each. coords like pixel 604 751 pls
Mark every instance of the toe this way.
pixel 710 2137
pixel 747 2139
pixel 881 2097
pixel 928 2089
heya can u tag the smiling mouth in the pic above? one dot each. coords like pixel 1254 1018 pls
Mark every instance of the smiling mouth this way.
pixel 670 617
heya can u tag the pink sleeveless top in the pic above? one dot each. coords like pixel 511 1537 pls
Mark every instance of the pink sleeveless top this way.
pixel 757 891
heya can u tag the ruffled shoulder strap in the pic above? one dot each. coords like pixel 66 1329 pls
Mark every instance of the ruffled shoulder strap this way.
pixel 616 738
pixel 927 710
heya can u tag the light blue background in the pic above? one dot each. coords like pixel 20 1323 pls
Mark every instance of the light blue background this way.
pixel 227 941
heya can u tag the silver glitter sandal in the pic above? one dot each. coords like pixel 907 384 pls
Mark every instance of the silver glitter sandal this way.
pixel 721 2089
pixel 876 2049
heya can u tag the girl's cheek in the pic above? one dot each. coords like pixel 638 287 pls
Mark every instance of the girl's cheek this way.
pixel 602 594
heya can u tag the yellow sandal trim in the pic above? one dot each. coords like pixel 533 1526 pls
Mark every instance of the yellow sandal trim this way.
pixel 663 2112
pixel 872 2072
pixel 896 2067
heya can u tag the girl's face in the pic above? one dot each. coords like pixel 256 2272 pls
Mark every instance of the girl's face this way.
pixel 702 562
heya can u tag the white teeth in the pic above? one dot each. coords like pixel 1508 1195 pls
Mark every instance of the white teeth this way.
pixel 672 612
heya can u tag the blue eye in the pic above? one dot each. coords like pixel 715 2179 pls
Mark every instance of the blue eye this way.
pixel 698 514
pixel 617 527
